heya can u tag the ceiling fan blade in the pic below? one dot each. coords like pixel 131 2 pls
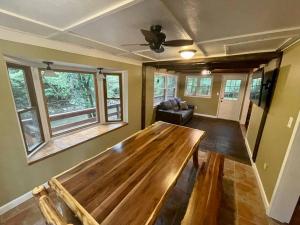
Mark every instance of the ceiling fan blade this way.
pixel 135 44
pixel 178 43
pixel 149 36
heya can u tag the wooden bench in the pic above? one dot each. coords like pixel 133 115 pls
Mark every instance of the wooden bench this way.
pixel 204 203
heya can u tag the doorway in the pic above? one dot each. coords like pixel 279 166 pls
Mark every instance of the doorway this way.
pixel 231 96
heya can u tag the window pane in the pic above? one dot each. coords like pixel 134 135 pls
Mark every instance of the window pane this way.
pixel 113 86
pixel 19 88
pixel 171 81
pixel 232 89
pixel 159 81
pixel 198 86
pixel 159 89
pixel 113 97
pixel 31 129
pixel 171 93
pixel 24 101
pixel 70 99
pixel 114 109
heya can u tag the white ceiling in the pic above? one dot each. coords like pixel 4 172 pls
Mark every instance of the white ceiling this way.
pixel 217 27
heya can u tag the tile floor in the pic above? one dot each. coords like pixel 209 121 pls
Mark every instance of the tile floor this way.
pixel 241 203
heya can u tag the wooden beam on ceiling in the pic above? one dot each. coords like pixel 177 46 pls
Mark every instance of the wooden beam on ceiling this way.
pixel 214 65
pixel 234 61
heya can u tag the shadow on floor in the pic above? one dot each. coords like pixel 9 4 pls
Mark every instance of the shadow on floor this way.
pixel 222 136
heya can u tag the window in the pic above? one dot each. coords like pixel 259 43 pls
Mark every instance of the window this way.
pixel 113 97
pixel 232 89
pixel 198 86
pixel 165 87
pixel 70 98
pixel 26 106
pixel 51 105
pixel 171 86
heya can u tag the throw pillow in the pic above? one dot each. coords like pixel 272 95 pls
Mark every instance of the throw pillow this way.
pixel 184 105
pixel 178 100
pixel 166 105
pixel 174 104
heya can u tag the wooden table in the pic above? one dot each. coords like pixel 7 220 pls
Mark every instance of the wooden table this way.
pixel 129 182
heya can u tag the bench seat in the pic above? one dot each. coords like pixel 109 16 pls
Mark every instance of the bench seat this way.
pixel 204 203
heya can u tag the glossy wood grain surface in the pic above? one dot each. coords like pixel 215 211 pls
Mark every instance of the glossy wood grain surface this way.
pixel 128 183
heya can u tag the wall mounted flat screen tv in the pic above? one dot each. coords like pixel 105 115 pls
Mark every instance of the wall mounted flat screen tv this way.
pixel 262 85
pixel 256 86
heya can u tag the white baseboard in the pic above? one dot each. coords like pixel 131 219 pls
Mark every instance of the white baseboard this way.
pixel 260 185
pixel 17 201
pixel 248 149
pixel 261 188
pixel 205 115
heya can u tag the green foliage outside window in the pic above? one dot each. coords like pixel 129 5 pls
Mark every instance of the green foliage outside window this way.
pixel 69 91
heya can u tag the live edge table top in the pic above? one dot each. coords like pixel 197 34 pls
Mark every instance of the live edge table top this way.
pixel 128 183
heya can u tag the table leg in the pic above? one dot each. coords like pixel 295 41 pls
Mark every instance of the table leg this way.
pixel 195 158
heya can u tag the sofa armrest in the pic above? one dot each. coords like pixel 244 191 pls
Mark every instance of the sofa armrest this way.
pixel 191 106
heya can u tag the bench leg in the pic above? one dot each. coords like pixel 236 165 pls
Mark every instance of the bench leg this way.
pixel 195 158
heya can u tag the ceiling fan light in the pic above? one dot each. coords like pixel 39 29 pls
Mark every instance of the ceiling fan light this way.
pixel 187 54
pixel 205 72
pixel 49 72
pixel 100 74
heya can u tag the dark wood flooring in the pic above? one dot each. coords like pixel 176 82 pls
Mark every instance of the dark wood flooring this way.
pixel 223 136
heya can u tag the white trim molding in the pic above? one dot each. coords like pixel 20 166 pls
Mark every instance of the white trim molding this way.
pixel 17 201
pixel 259 182
pixel 26 38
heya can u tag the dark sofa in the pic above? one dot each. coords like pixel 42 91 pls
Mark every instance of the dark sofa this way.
pixel 173 114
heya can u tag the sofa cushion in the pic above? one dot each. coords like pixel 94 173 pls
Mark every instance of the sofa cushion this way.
pixel 166 105
pixel 184 105
pixel 186 113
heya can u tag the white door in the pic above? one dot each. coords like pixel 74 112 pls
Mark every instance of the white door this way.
pixel 231 96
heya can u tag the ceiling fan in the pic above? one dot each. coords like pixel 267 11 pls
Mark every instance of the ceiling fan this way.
pixel 157 39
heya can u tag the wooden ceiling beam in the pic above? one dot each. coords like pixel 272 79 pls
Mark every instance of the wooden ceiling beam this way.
pixel 258 57
pixel 232 65
pixel 244 70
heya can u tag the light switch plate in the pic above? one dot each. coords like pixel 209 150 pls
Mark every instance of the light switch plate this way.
pixel 290 122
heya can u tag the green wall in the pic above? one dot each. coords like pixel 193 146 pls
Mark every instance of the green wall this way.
pixel 150 111
pixel 254 123
pixel 208 106
pixel 16 176
pixel 276 134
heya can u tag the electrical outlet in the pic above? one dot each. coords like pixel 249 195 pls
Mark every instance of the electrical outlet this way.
pixel 196 107
pixel 290 122
pixel 265 166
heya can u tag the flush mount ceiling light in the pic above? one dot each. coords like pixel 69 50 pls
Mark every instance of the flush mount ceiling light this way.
pixel 187 54
pixel 49 72
pixel 205 72
pixel 100 73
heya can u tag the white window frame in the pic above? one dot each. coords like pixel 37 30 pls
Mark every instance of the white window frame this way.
pixel 37 83
pixel 166 85
pixel 199 77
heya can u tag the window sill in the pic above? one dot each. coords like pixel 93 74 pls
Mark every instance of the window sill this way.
pixel 194 96
pixel 69 140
